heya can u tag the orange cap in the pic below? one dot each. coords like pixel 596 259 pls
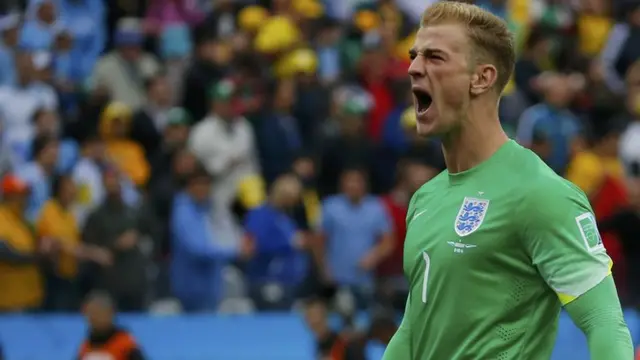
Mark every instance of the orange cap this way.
pixel 12 184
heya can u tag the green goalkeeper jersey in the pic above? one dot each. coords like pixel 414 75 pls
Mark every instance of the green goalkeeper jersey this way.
pixel 491 255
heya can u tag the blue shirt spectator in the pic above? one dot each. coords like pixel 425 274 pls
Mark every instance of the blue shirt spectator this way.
pixel 558 127
pixel 199 255
pixel 38 174
pixel 85 21
pixel 277 258
pixel 41 26
pixel 352 230
pixel 279 265
pixel 9 34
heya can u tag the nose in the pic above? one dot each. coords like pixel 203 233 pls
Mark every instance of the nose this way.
pixel 417 68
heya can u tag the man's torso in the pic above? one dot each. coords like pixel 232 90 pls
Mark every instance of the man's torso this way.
pixel 475 293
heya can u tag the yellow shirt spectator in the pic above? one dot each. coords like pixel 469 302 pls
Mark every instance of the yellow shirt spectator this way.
pixel 593 31
pixel 588 171
pixel 59 223
pixel 126 154
pixel 21 284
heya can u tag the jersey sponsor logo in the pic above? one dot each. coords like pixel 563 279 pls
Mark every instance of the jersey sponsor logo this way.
pixel 589 231
pixel 470 216
pixel 459 247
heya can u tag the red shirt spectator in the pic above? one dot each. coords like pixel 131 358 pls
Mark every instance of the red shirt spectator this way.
pixel 397 210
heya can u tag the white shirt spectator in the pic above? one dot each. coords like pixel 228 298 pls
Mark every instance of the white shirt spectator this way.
pixel 18 104
pixel 227 151
pixel 630 146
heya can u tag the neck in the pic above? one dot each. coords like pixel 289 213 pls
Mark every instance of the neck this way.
pixel 479 136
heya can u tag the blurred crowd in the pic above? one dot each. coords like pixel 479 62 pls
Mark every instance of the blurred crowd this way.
pixel 230 155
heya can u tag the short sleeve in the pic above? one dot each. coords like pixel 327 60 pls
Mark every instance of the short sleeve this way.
pixel 562 239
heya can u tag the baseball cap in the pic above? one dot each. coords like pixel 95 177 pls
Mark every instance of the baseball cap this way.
pixel 178 116
pixel 12 184
pixel 223 90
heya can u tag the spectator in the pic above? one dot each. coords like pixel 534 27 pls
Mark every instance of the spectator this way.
pixel 124 70
pixel 124 152
pixel 630 140
pixel 356 236
pixel 426 151
pixel 39 173
pixel 305 168
pixel 22 288
pixel 620 51
pixel 174 138
pixel 20 100
pixel 38 32
pixel 57 223
pixel 554 121
pixel 224 143
pixel 105 338
pixel 329 344
pixel 279 264
pixel 210 64
pixel 87 174
pixel 199 254
pixel 9 35
pixel 121 229
pixel 279 133
pixel 535 55
pixel 150 121
pixel 371 345
pixel 351 147
pixel 47 124
pixel 175 48
pixel 222 19
pixel 624 223
pixel 165 186
pixel 85 22
pixel 163 14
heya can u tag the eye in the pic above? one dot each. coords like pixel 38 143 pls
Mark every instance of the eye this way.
pixel 436 57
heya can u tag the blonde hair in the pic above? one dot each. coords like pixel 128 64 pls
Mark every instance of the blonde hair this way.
pixel 491 39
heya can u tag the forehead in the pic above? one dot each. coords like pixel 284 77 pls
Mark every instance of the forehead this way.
pixel 449 37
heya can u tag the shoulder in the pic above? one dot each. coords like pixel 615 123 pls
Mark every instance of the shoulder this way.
pixel 545 195
pixel 332 201
pixel 28 172
pixel 534 112
pixel 375 202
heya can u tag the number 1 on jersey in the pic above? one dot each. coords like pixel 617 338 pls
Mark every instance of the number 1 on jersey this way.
pixel 427 264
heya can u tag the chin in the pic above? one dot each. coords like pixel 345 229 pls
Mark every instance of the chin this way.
pixel 429 129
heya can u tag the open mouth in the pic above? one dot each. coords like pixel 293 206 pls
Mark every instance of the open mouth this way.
pixel 423 100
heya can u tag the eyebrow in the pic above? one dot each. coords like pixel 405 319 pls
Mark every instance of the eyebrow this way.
pixel 413 52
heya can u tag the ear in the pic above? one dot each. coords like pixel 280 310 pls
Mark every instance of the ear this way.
pixel 483 79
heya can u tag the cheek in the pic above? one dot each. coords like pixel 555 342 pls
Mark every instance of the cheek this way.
pixel 453 86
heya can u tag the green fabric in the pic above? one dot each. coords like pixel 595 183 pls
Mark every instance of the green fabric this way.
pixel 178 116
pixel 598 314
pixel 490 254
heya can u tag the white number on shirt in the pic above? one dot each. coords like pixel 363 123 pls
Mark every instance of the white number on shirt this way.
pixel 427 264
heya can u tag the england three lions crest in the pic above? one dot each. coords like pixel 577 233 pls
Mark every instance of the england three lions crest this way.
pixel 471 215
